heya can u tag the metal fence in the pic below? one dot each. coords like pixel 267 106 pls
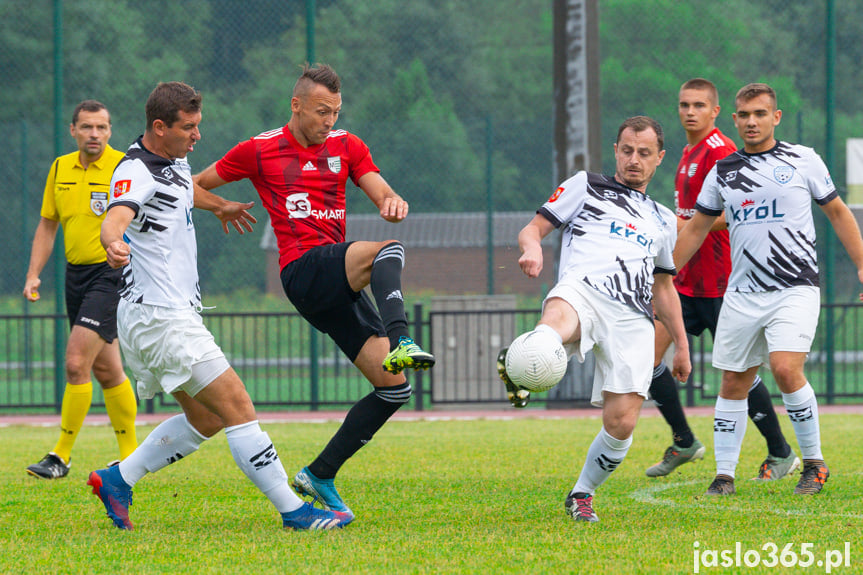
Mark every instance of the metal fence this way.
pixel 287 365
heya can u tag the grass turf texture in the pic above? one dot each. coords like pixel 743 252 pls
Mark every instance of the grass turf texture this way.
pixel 483 496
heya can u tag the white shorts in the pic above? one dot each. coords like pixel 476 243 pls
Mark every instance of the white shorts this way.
pixel 753 324
pixel 168 349
pixel 620 337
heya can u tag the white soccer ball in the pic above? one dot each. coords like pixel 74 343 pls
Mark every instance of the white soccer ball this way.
pixel 536 361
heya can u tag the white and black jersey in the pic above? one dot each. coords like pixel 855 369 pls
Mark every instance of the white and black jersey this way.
pixel 614 238
pixel 163 268
pixel 767 198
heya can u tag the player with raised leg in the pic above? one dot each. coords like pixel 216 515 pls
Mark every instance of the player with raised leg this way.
pixel 149 232
pixel 615 272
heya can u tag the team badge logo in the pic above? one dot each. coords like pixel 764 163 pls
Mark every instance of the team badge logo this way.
pixel 167 173
pixel 335 164
pixel 98 202
pixel 730 176
pixel 609 195
pixel 298 205
pixel 121 187
pixel 556 194
pixel 783 174
pixel 692 169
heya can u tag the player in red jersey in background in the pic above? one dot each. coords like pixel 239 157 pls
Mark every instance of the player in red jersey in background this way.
pixel 300 172
pixel 701 284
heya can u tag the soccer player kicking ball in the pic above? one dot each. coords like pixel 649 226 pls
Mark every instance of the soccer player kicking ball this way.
pixel 615 266
pixel 148 231
pixel 771 307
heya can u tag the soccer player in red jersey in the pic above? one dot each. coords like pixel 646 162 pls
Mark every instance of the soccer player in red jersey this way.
pixel 701 284
pixel 300 172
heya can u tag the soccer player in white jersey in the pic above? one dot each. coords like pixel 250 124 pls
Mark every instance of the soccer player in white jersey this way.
pixel 149 231
pixel 772 303
pixel 615 267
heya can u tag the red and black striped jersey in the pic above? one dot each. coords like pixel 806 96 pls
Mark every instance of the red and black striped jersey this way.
pixel 303 189
pixel 706 274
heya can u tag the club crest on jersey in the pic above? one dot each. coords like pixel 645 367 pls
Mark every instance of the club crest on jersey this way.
pixel 98 202
pixel 556 194
pixel 335 164
pixel 298 205
pixel 167 173
pixel 693 167
pixel 730 176
pixel 783 174
pixel 121 187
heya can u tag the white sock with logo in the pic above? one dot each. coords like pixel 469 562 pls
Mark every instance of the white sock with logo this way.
pixel 257 458
pixel 603 457
pixel 802 408
pixel 729 427
pixel 171 441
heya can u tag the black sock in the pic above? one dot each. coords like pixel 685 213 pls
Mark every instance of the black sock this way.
pixel 663 390
pixel 360 424
pixel 764 417
pixel 386 285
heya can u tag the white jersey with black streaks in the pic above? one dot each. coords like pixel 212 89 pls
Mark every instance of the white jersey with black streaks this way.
pixel 614 238
pixel 163 269
pixel 767 198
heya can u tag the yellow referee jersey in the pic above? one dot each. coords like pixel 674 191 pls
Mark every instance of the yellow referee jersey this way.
pixel 78 198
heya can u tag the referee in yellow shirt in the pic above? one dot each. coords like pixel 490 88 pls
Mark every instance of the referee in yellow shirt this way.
pixel 76 197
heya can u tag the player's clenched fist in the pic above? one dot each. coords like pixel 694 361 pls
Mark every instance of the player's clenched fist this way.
pixel 118 254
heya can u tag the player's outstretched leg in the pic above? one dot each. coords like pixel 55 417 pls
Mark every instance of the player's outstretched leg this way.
pixel 579 506
pixel 518 396
pixel 311 518
pixel 116 495
pixel 407 354
pixel 323 490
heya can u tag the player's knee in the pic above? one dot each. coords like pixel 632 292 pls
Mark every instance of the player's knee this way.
pixel 391 251
pixel 399 394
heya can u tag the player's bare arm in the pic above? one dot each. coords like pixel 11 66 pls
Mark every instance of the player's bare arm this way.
pixel 848 232
pixel 719 224
pixel 666 303
pixel 393 208
pixel 691 237
pixel 114 225
pixel 43 244
pixel 530 244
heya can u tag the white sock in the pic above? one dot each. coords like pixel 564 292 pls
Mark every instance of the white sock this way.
pixel 729 427
pixel 257 458
pixel 603 457
pixel 172 440
pixel 549 330
pixel 802 408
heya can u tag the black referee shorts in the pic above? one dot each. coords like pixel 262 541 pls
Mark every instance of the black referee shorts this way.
pixel 317 285
pixel 92 295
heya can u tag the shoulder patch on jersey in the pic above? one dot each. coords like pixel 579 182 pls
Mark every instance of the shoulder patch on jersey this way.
pixel 556 194
pixel 121 187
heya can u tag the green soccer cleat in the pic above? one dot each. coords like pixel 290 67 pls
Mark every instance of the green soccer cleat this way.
pixel 676 456
pixel 518 396
pixel 407 354
pixel 774 468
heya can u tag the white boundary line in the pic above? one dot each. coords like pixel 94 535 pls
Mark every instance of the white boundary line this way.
pixel 648 495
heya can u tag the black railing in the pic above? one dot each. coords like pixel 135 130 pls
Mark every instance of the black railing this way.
pixel 287 365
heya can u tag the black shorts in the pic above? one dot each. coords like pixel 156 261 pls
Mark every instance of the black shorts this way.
pixel 700 313
pixel 92 295
pixel 317 285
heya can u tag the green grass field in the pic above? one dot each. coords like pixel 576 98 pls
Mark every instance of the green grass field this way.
pixel 481 496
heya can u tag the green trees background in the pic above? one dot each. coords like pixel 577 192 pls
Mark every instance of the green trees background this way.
pixel 437 88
